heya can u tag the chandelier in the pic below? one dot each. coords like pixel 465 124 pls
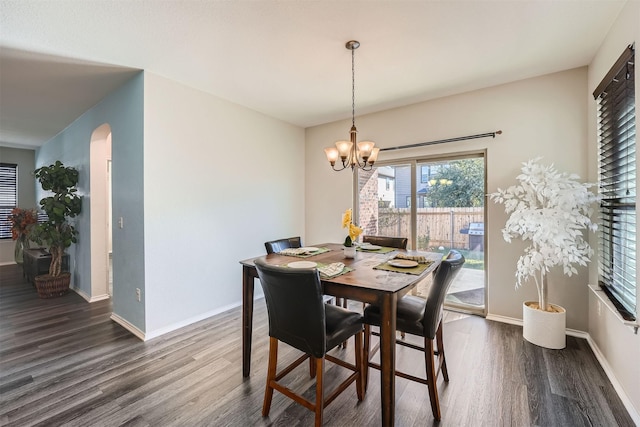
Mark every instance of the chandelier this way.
pixel 361 155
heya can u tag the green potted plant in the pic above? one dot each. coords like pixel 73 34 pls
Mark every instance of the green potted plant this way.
pixel 550 210
pixel 57 233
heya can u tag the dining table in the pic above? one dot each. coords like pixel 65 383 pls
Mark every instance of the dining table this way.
pixel 364 281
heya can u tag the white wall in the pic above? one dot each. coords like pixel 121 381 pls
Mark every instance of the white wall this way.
pixel 617 343
pixel 544 116
pixel 220 180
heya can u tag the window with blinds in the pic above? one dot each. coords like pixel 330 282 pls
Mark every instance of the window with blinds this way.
pixel 8 196
pixel 617 168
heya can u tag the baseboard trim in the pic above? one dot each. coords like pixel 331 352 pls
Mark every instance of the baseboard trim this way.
pixel 99 298
pixel 87 297
pixel 158 332
pixel 170 328
pixel 82 294
pixel 635 416
pixel 128 326
pixel 518 322
pixel 504 319
pixel 633 413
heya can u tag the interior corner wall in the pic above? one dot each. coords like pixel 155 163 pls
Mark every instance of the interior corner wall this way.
pixel 220 180
pixel 543 116
pixel 618 343
pixel 123 111
pixel 25 159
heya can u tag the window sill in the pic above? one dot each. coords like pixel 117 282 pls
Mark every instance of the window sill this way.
pixel 607 303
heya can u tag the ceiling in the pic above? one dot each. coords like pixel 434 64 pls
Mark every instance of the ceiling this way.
pixel 286 59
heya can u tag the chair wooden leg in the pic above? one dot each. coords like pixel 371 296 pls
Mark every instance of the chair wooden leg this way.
pixel 312 366
pixel 431 377
pixel 271 375
pixel 359 366
pixel 441 358
pixel 345 304
pixel 365 356
pixel 319 406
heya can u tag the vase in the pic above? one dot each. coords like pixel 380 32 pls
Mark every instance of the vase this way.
pixel 22 243
pixel 543 328
pixel 349 251
pixel 52 286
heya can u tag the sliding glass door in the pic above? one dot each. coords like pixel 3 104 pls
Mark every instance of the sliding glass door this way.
pixel 438 204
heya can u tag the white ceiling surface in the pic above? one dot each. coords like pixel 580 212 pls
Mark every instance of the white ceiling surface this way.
pixel 283 58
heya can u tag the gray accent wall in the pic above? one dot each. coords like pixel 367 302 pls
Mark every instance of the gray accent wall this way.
pixel 123 111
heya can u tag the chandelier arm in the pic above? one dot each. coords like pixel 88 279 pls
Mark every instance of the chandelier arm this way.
pixel 344 166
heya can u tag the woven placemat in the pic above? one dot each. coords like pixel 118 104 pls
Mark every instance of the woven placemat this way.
pixel 345 270
pixel 383 250
pixel 318 252
pixel 418 270
pixel 319 265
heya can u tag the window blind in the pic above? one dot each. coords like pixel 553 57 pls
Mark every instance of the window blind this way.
pixel 8 196
pixel 617 184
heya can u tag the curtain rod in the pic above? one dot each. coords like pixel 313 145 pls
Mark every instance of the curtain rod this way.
pixel 442 141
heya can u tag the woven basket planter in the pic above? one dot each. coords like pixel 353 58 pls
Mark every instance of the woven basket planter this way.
pixel 52 286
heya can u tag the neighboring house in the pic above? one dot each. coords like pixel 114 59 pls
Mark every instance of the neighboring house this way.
pixel 394 185
pixel 387 187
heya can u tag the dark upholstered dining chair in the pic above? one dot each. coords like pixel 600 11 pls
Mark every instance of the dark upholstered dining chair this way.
pixel 275 246
pixel 389 242
pixel 299 318
pixel 423 318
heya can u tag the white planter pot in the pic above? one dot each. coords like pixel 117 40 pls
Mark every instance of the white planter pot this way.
pixel 349 251
pixel 544 328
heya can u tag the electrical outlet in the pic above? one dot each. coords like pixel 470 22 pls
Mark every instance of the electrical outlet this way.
pixel 121 222
pixel 138 294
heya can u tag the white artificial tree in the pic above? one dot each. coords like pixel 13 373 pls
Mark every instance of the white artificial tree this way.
pixel 550 209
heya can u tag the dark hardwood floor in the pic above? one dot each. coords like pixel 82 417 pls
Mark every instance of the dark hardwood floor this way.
pixel 64 362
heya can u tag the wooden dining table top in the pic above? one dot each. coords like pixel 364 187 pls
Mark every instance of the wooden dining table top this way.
pixel 363 275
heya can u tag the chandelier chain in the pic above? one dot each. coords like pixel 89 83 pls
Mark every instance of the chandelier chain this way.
pixel 353 88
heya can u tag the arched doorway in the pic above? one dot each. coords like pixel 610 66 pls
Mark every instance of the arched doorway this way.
pixel 100 212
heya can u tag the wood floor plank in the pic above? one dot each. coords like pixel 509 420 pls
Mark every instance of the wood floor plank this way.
pixel 63 361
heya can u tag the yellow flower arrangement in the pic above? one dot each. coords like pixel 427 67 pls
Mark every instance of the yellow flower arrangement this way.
pixel 354 230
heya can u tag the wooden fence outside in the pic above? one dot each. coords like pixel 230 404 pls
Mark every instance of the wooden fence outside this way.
pixel 435 226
